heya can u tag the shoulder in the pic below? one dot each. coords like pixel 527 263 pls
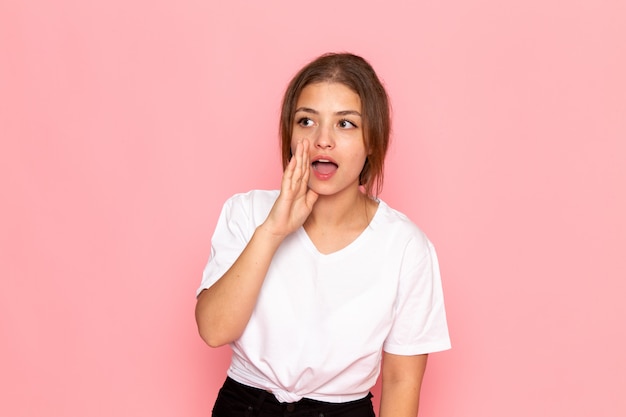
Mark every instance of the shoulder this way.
pixel 389 217
pixel 254 198
pixel 399 226
pixel 253 205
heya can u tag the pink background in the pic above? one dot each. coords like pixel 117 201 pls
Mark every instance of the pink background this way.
pixel 125 125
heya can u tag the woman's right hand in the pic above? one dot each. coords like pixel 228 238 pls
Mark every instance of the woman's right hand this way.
pixel 295 201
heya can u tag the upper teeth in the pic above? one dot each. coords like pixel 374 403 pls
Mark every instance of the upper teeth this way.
pixel 323 160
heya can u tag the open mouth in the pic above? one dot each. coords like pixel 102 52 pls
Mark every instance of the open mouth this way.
pixel 324 166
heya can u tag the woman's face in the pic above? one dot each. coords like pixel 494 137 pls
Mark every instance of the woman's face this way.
pixel 329 116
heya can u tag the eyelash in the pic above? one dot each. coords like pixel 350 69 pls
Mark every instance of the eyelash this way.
pixel 342 121
pixel 302 122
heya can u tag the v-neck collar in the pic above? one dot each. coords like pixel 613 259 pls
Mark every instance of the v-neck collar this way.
pixel 350 247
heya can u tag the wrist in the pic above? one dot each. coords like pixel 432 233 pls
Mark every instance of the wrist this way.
pixel 268 233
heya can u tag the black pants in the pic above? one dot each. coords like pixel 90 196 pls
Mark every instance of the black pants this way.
pixel 238 400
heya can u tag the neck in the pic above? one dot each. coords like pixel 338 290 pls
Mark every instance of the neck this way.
pixel 352 209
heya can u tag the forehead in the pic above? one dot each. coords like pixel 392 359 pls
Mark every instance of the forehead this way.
pixel 329 94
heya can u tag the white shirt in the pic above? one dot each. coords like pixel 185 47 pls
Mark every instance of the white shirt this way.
pixel 322 321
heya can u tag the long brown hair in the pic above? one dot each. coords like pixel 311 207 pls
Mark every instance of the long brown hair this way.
pixel 357 74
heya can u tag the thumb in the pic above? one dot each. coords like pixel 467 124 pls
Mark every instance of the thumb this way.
pixel 311 198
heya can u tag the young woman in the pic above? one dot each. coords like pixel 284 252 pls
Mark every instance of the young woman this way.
pixel 315 285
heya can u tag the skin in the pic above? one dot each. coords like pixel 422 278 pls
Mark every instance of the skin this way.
pixel 401 384
pixel 333 212
pixel 328 118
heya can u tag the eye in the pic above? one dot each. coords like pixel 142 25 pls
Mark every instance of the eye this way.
pixel 346 124
pixel 305 122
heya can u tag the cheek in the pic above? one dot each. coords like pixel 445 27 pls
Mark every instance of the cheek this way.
pixel 294 139
pixel 293 145
pixel 297 134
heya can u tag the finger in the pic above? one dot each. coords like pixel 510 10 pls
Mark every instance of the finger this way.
pixel 291 165
pixel 305 158
pixel 306 169
pixel 288 174
pixel 299 162
pixel 311 198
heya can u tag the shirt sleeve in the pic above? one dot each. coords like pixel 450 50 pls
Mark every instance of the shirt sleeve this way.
pixel 420 324
pixel 231 236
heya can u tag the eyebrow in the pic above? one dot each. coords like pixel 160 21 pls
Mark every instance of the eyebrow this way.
pixel 339 113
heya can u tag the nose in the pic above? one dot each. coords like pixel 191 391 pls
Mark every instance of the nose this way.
pixel 324 139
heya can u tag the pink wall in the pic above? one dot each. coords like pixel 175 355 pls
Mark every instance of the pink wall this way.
pixel 125 125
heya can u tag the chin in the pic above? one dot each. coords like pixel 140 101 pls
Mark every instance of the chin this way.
pixel 327 190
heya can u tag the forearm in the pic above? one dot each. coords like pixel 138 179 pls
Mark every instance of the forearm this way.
pixel 224 309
